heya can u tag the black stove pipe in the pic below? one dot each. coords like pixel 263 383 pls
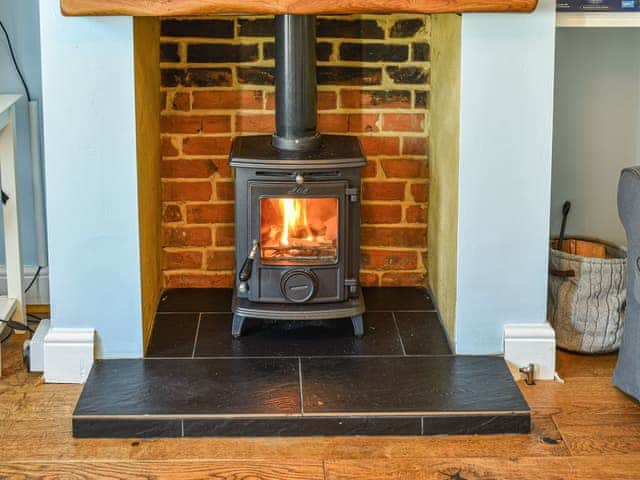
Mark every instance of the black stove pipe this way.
pixel 296 85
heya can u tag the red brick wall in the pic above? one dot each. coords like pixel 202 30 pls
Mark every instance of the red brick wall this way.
pixel 217 82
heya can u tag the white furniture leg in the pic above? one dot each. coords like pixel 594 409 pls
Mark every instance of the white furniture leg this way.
pixel 12 306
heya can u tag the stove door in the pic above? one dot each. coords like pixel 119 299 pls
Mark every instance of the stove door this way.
pixel 303 239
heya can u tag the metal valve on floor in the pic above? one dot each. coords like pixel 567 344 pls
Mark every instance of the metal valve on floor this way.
pixel 529 372
pixel 247 268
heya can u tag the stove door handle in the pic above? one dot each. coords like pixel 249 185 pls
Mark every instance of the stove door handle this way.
pixel 245 272
pixel 247 266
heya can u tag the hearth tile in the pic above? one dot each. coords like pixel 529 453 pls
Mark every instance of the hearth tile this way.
pixel 173 335
pixel 187 386
pixel 196 300
pixel 422 333
pixel 409 385
pixel 397 299
pixel 302 426
pixel 476 424
pixel 126 428
pixel 306 338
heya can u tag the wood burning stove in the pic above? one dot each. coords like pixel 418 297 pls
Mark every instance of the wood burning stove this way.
pixel 297 202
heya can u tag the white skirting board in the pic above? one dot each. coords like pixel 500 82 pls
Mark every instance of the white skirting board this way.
pixel 531 343
pixel 68 354
pixel 39 293
pixel 36 353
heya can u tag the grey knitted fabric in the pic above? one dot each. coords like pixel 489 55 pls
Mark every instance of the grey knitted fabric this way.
pixel 627 373
pixel 587 310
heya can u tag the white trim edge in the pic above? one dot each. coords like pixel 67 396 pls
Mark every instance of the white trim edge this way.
pixel 597 19
pixel 36 348
pixel 531 343
pixel 68 354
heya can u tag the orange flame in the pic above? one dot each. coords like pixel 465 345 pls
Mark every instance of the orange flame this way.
pixel 294 217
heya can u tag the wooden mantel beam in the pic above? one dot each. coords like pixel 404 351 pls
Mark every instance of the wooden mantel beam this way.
pixel 177 8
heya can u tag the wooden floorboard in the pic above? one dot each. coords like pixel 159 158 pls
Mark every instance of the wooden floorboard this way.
pixel 221 470
pixel 600 434
pixel 582 429
pixel 588 468
pixel 575 365
pixel 451 468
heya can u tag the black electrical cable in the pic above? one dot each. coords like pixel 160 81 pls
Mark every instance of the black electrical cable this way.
pixel 33 280
pixel 13 325
pixel 15 62
pixel 7 336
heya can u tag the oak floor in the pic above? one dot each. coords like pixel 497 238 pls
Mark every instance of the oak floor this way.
pixel 582 429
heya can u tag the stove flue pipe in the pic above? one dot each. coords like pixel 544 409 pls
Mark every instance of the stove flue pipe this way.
pixel 296 85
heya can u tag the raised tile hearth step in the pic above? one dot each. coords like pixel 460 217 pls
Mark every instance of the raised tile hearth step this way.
pixel 418 395
pixel 304 378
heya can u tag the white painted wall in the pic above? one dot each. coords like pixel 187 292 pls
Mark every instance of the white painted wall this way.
pixel 597 126
pixel 505 174
pixel 90 149
pixel 20 18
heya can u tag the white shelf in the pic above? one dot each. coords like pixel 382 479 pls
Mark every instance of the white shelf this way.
pixel 12 306
pixel 7 307
pixel 597 19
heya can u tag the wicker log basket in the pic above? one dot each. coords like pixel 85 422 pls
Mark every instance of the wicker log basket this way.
pixel 587 291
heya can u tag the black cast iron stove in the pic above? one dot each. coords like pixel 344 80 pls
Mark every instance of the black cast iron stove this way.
pixel 297 202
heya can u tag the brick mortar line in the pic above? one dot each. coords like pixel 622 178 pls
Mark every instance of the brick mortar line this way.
pixel 363 109
pixel 381 135
pixel 261 40
pixel 228 112
pixel 351 16
pixel 321 63
pixel 413 226
pixel 337 89
pixel 205 249
pixel 269 112
pixel 227 271
pixel 337 63
pixel 405 203
pixel 225 157
pixel 386 85
pixel 324 88
pixel 183 136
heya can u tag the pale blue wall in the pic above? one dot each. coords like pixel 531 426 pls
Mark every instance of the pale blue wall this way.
pixel 20 18
pixel 597 127
pixel 506 119
pixel 91 178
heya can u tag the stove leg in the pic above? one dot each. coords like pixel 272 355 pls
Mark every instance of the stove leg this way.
pixel 358 326
pixel 236 327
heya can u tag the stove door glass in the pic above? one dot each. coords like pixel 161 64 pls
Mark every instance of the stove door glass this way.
pixel 299 231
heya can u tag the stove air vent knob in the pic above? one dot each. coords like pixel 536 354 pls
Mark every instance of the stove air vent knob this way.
pixel 298 286
pixel 299 179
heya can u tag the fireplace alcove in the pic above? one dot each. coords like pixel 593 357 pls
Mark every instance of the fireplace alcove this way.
pixel 504 412
pixel 443 190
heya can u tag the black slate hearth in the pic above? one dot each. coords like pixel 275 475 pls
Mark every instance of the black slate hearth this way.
pixel 299 378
